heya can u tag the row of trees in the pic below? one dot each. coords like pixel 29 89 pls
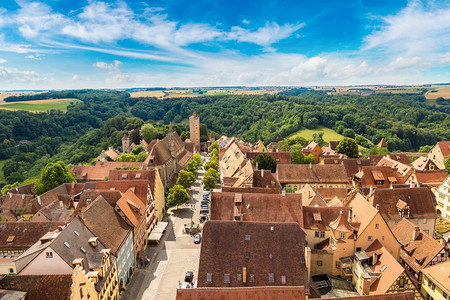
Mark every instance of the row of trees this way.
pixel 212 167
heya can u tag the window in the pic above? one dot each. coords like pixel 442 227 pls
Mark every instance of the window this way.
pixel 376 226
pixel 271 277
pixel 81 293
pixel 239 277
pixel 382 237
pixel 283 279
pixel 396 222
pixel 252 278
pixel 49 254
pixel 342 236
pixel 401 282
pixel 11 271
pixel 444 294
pixel 369 238
pixel 209 277
pixel 322 234
pixel 302 260
pixel 246 254
pixel 319 263
pixel 358 249
pixel 316 234
pixel 247 237
pixel 338 265
pixel 227 278
pixel 424 221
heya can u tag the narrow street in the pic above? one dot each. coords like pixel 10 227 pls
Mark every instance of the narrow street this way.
pixel 173 256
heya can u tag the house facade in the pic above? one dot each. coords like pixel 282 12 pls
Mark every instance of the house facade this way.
pixel 439 153
pixel 443 199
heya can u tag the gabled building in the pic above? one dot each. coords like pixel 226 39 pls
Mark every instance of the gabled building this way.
pixel 439 153
pixel 248 293
pixel 404 169
pixel 436 281
pixel 273 147
pixel 250 207
pixel 419 250
pixel 314 149
pixel 100 171
pixel 443 199
pixel 113 232
pixel 109 155
pixel 296 177
pixel 351 165
pixel 373 177
pixel 377 272
pixel 279 157
pixel 414 204
pixel 431 178
pixel 424 164
pixel 260 147
pixel 168 156
pixel 153 178
pixel 252 254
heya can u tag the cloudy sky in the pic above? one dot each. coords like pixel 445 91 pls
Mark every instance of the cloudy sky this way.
pixel 55 44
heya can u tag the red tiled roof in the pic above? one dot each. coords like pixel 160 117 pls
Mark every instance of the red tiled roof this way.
pixel 139 187
pixel 327 214
pixel 247 293
pixel 261 248
pixel 368 179
pixel 424 248
pixel 431 177
pixel 101 170
pixel 134 175
pixel 258 207
pixel 48 287
pixel 420 201
pixel 312 174
pixel 160 151
pixel 445 148
pixel 280 157
pixel 25 233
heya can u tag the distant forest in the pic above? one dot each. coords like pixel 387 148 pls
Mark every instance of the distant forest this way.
pixel 101 119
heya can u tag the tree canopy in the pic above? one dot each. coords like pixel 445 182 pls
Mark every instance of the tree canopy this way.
pixel 53 175
pixel 185 179
pixel 148 132
pixel 348 147
pixel 266 162
pixel 177 195
pixel 127 157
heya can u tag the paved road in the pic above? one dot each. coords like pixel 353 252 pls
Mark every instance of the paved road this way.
pixel 172 257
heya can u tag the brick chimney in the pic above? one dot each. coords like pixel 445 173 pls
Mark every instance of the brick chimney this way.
pixel 416 233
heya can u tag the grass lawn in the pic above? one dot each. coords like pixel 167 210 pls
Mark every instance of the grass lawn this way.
pixel 2 176
pixel 40 106
pixel 328 134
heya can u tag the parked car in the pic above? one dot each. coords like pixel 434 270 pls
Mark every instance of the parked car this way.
pixel 197 239
pixel 189 276
pixel 204 210
pixel 205 202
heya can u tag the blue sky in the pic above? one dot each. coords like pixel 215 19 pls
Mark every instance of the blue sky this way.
pixel 55 44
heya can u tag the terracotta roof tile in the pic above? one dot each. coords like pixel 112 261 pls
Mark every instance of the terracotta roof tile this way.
pixel 101 170
pixel 424 163
pixel 424 246
pixel 368 179
pixel 49 287
pixel 148 175
pixel 247 293
pixel 392 296
pixel 312 174
pixel 433 177
pixel 139 187
pixel 445 148
pixel 258 207
pixel 327 214
pixel 280 157
pixel 439 273
pixel 261 248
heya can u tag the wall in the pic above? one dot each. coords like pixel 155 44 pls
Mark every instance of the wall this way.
pixel 437 293
pixel 436 156
pixel 42 265
pixel 428 227
pixel 81 282
pixel 159 197
pixel 125 259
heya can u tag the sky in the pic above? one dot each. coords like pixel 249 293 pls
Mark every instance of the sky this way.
pixel 65 44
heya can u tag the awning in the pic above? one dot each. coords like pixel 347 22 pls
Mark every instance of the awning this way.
pixel 160 227
pixel 155 236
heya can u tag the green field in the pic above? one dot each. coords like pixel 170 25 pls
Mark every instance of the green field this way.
pixel 328 134
pixel 40 106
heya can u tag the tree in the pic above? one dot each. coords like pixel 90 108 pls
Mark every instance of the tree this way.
pixel 185 179
pixel 184 135
pixel 141 157
pixel 447 165
pixel 126 157
pixel 425 148
pixel 310 159
pixel 212 163
pixel 177 195
pixel 297 156
pixel 210 178
pixel 198 159
pixel 148 132
pixel 138 149
pixel 53 175
pixel 214 145
pixel 266 162
pixel 318 138
pixel 348 147
pixel 192 167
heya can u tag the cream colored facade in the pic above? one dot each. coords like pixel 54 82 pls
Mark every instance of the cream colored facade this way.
pixel 160 202
pixel 437 157
pixel 194 129
pixel 39 265
pixel 432 289
pixel 442 194
pixel 7 264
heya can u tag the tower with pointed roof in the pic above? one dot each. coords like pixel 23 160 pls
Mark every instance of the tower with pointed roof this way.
pixel 194 128
pixel 125 143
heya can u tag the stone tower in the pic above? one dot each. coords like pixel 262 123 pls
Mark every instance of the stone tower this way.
pixel 125 143
pixel 194 127
pixel 171 141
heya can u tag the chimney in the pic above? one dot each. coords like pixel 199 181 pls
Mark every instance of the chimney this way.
pixel 10 195
pixel 374 259
pixel 272 228
pixel 23 196
pixel 93 241
pixel 371 191
pixel 61 204
pixel 310 165
pixel 262 173
pixel 244 275
pixel 283 193
pixel 416 233
pixel 39 200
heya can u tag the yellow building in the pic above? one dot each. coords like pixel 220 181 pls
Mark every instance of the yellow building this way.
pixel 259 147
pixel 7 264
pixel 436 281
pixel 100 282
pixel 194 128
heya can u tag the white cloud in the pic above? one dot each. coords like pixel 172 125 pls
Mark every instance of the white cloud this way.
pixel 403 63
pixel 415 30
pixel 114 74
pixel 263 36
pixel 445 58
pixel 2 60
pixel 34 56
pixel 245 21
pixel 8 75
